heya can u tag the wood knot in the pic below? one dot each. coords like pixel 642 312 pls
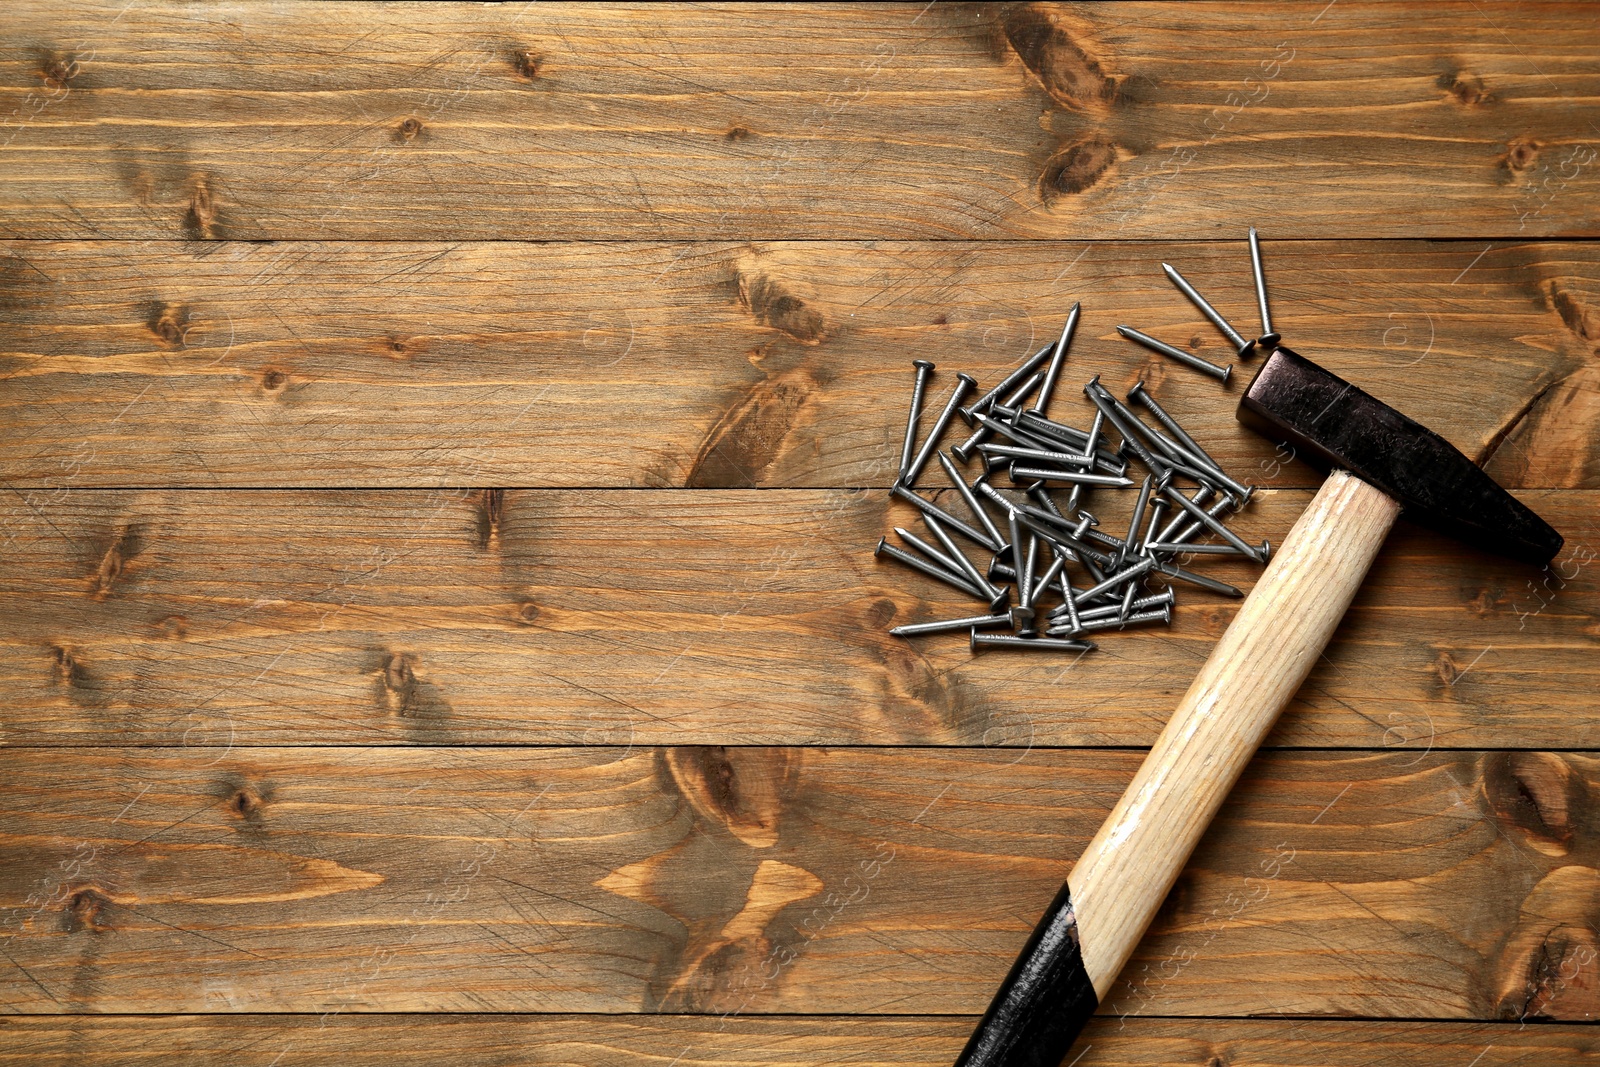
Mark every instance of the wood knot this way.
pixel 1537 793
pixel 1578 316
pixel 399 681
pixel 491 514
pixel 1067 70
pixel 1464 87
pixel 172 627
pixel 751 434
pixel 169 322
pixel 526 64
pixel 274 380
pixel 407 130
pixel 881 612
pixel 123 548
pixel 1485 600
pixel 245 804
pixel 1520 154
pixel 84 910
pixel 400 688
pixel 527 613
pixel 200 218
pixel 65 665
pixel 396 348
pixel 1547 966
pixel 82 687
pixel 775 303
pixel 1076 168
pixel 740 789
pixel 56 69
pixel 736 134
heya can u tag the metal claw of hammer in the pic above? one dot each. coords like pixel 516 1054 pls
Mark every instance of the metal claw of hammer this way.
pixel 1382 464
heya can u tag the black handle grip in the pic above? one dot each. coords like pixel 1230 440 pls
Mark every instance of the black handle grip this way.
pixel 1044 1002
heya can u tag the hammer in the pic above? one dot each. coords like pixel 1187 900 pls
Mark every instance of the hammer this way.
pixel 1382 464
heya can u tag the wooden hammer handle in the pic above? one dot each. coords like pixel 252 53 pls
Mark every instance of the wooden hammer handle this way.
pixel 1253 672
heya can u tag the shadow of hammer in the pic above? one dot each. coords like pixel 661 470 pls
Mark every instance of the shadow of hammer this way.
pixel 1383 463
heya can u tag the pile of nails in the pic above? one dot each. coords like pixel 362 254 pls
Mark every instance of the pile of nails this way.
pixel 1179 510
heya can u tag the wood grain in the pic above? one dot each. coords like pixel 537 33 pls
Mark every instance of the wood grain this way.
pixel 621 617
pixel 1446 885
pixel 753 1041
pixel 732 365
pixel 939 121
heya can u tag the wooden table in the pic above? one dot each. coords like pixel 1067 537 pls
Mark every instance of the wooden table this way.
pixel 443 451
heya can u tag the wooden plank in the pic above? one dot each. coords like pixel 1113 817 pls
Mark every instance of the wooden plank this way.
pixel 649 617
pixel 746 1041
pixel 1445 885
pixel 943 121
pixel 712 365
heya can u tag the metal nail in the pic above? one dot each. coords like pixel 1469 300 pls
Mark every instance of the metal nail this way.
pixel 1163 616
pixel 963 564
pixel 1243 346
pixel 963 451
pixel 1188 358
pixel 1039 426
pixel 932 570
pixel 1030 644
pixel 929 508
pixel 934 554
pixel 1134 522
pixel 1173 571
pixel 1200 550
pixel 1050 474
pixel 1157 506
pixel 964 384
pixel 924 368
pixel 1215 525
pixel 1101 398
pixel 1144 603
pixel 1069 602
pixel 1127 600
pixel 1054 370
pixel 1028 366
pixel 1179 517
pixel 1049 575
pixel 1018 562
pixel 1268 339
pixel 1041 496
pixel 1140 395
pixel 1117 579
pixel 1028 588
pixel 968 499
pixel 973 622
pixel 1043 455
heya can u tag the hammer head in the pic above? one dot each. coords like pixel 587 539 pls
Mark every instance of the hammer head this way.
pixel 1331 423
